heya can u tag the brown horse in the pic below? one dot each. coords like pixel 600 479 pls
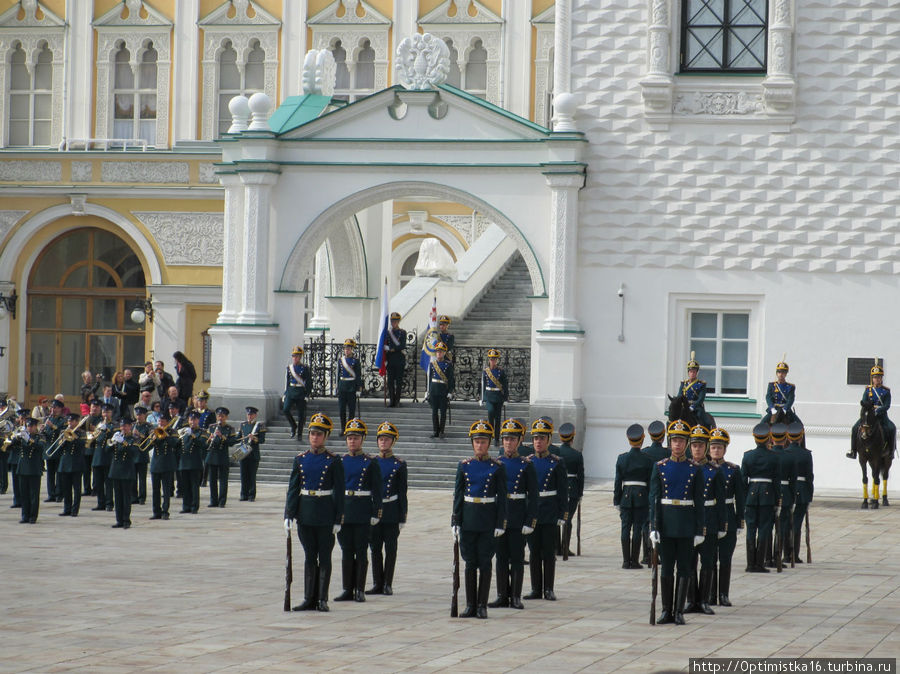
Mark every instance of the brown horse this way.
pixel 872 449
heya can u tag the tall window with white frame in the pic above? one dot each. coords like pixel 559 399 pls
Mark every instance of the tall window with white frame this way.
pixel 234 80
pixel 724 36
pixel 134 95
pixel 720 341
pixel 355 69
pixel 476 70
pixel 454 76
pixel 30 98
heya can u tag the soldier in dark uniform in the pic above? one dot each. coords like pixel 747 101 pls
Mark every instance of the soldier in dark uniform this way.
pixel 162 467
pixel 123 453
pixel 53 426
pixel 676 521
pixel 479 516
pixel 395 352
pixel 31 445
pixel 362 510
pixel 140 431
pixel 734 511
pixel 102 458
pixel 297 386
pixel 802 462
pixel 631 493
pixel 95 416
pixel 71 466
pixel 494 390
pixel 714 523
pixel 394 506
pixel 880 396
pixel 222 438
pixel 315 498
pixel 254 434
pixel 521 518
pixel 14 450
pixel 783 546
pixel 441 383
pixel 574 463
pixel 349 380
pixel 762 482
pixel 694 391
pixel 207 419
pixel 656 452
pixel 192 439
pixel 780 396
pixel 445 337
pixel 553 503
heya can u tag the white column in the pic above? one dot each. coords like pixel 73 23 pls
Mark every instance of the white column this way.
pixel 657 85
pixel 6 383
pixel 563 242
pixel 319 320
pixel 517 70
pixel 293 45
pixel 406 16
pixel 563 101
pixel 779 84
pixel 80 69
pixel 185 71
pixel 255 262
pixel 232 252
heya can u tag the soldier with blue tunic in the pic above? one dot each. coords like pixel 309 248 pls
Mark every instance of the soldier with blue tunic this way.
pixel 193 440
pixel 71 466
pixel 349 382
pixel 494 391
pixel 522 501
pixel 802 462
pixel 779 439
pixel 694 392
pixel 676 520
pixel 445 337
pixel 362 510
pixel 780 397
pixel 395 354
pixel 479 516
pixel 315 498
pixel 394 506
pixel 123 452
pixel 878 395
pixel 574 462
pixel 657 452
pixel 441 382
pixel 762 484
pixel 734 513
pixel 297 385
pixel 631 492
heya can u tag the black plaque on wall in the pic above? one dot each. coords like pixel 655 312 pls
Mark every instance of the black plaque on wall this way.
pixel 858 370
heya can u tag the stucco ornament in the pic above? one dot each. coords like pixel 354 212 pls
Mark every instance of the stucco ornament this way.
pixel 434 260
pixel 319 72
pixel 423 62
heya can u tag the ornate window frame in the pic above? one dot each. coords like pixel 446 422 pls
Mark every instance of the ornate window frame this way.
pixel 241 29
pixel 545 28
pixel 464 28
pixel 32 32
pixel 669 97
pixel 352 22
pixel 133 31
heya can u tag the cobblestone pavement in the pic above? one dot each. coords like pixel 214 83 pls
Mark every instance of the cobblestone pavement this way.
pixel 203 593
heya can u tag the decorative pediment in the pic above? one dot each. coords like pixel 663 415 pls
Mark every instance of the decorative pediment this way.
pixel 239 13
pixel 460 11
pixel 344 12
pixel 30 14
pixel 132 13
pixel 547 16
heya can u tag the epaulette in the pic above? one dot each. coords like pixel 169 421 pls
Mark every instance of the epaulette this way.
pixel 496 462
pixel 528 458
pixel 733 465
pixel 466 461
pixel 328 452
pixel 886 388
pixel 399 460
pixel 702 381
pixel 662 461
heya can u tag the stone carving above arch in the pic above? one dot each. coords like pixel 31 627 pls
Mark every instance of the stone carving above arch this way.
pixel 186 238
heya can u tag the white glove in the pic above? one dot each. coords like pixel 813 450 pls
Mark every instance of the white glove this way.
pixel 698 540
pixel 617 507
pixel 771 410
pixel 449 396
pixel 777 510
pixel 374 520
pixel 455 530
pixel 287 527
pixel 481 403
pixel 527 530
pixel 336 528
pixel 499 532
pixel 402 524
pixel 560 523
pixel 654 537
pixel 722 534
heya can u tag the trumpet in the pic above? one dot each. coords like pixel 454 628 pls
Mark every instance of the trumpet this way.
pixel 94 434
pixel 68 435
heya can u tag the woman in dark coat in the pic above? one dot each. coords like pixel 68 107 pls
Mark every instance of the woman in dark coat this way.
pixel 186 376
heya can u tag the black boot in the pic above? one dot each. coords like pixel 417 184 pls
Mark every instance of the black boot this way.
pixel 567 538
pixel 309 588
pixel 713 595
pixel 705 582
pixel 626 553
pixel 667 586
pixel 761 552
pixel 471 592
pixel 362 568
pixel 787 544
pixel 324 582
pixel 484 591
pixel 537 584
pixel 377 574
pixel 751 557
pixel 549 577
pixel 635 551
pixel 693 603
pixel 515 599
pixel 724 583
pixel 390 562
pixel 346 581
pixel 645 535
pixel 680 595
pixel 502 600
pixel 797 559
pixel 290 418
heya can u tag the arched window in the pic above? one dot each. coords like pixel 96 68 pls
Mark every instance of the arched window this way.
pixel 81 293
pixel 408 269
pixel 134 99
pixel 342 72
pixel 365 67
pixel 233 82
pixel 453 77
pixel 355 74
pixel 476 70
pixel 30 98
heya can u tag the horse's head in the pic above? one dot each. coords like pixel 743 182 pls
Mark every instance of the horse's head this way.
pixel 867 419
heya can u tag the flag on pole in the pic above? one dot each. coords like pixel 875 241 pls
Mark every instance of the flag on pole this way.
pixel 380 360
pixel 431 338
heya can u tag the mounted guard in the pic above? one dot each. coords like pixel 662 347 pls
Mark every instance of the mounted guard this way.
pixel 688 403
pixel 879 396
pixel 780 398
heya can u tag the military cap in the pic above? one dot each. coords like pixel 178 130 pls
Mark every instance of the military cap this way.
pixel 73 416
pixel 387 428
pixel 542 427
pixel 93 401
pixel 795 430
pixel 321 422
pixel 779 431
pixel 57 403
pixel 107 406
pixel 876 370
pixel 355 427
pixel 699 432
pixel 566 432
pixel 481 429
pixel 31 421
pixel 493 353
pixel 782 366
pixel 140 409
pixel 219 410
pixel 298 351
pixel 512 427
pixel 719 435
pixel 203 395
pixel 444 320
pixel 193 414
pixel 23 413
pixel 174 405
pixel 440 346
pixel 395 316
pixel 692 363
pixel 761 433
pixel 126 420
pixel 679 428
pixel 657 430
pixel 250 409
pixel 350 342
pixel 635 435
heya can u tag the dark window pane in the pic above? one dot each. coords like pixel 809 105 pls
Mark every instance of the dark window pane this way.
pixel 77 278
pixel 43 312
pixel 734 353
pixel 133 352
pixel 42 364
pixel 704 325
pixel 105 315
pixel 705 353
pixel 74 313
pixel 734 381
pixel 71 364
pixel 735 326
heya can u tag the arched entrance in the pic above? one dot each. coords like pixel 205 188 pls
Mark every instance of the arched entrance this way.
pixel 81 291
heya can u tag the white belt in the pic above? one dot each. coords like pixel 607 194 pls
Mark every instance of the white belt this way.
pixel 388 499
pixel 516 497
pixel 710 502
pixel 348 378
pixel 729 500
pixel 492 388
pixel 315 492
pixel 675 502
pixel 574 475
pixel 632 483
pixel 802 479
pixel 298 385
pixel 439 381
pixel 362 492
pixel 480 499
pixel 550 492
pixel 787 482
pixel 760 479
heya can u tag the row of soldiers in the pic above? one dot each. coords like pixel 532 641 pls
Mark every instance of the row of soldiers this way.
pixel 111 459
pixel 693 504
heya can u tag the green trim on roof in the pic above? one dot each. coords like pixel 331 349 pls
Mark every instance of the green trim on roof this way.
pixel 296 111
pixel 494 108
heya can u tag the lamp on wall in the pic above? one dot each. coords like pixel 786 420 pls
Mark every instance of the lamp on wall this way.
pixel 143 309
pixel 8 304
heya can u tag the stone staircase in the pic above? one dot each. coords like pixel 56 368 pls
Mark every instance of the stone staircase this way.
pixel 432 462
